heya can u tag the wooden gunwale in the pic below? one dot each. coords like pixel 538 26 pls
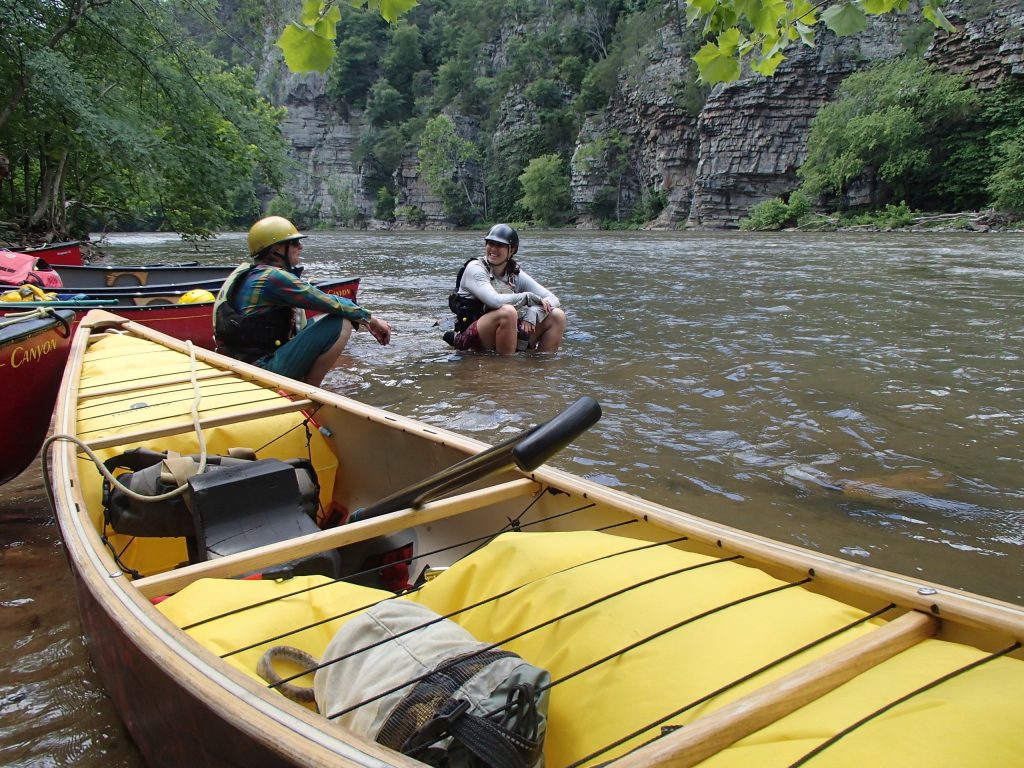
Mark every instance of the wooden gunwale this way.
pixel 723 727
pixel 266 718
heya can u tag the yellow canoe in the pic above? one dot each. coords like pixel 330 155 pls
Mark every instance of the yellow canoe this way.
pixel 670 640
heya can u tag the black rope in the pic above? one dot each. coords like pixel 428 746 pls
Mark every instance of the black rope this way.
pixel 213 388
pixel 470 607
pixel 882 710
pixel 513 523
pixel 117 555
pixel 548 622
pixel 728 686
pixel 643 641
pixel 304 423
pixel 612 526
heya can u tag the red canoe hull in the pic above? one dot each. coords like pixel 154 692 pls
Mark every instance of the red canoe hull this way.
pixel 84 278
pixel 58 254
pixel 32 358
pixel 194 322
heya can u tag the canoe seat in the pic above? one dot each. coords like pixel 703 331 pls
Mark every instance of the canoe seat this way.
pixel 251 505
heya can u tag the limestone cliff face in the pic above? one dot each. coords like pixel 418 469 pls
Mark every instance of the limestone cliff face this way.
pixel 752 133
pixel 985 49
pixel 323 178
pixel 708 164
pixel 749 139
pixel 650 114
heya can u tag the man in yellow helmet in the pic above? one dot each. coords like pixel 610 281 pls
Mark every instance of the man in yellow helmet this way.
pixel 259 315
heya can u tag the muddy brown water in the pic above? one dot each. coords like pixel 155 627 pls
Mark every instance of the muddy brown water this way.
pixel 862 395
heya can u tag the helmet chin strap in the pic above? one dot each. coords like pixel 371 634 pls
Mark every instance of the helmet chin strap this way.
pixel 284 261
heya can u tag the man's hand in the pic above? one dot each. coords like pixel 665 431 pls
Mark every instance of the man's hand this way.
pixel 380 330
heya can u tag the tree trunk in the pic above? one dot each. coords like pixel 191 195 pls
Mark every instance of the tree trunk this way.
pixel 51 201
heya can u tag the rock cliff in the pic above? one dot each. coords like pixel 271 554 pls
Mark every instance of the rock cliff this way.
pixel 706 164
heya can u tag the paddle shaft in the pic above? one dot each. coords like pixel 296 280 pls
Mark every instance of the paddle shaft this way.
pixel 527 451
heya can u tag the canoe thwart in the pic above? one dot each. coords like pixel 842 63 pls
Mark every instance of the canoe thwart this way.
pixel 352 533
pixel 710 734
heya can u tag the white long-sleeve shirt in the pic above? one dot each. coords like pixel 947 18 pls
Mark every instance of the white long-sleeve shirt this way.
pixel 521 291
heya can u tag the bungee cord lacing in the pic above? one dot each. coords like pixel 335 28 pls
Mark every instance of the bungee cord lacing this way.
pixel 541 625
pixel 907 697
pixel 408 561
pixel 478 604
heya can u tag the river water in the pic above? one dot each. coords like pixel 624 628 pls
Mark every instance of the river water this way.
pixel 858 394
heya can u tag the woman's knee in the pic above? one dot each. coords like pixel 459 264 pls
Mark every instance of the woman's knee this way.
pixel 506 313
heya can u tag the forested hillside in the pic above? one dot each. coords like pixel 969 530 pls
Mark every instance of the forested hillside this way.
pixel 132 115
pixel 592 114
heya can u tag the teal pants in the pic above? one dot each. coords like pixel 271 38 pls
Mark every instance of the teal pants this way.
pixel 296 357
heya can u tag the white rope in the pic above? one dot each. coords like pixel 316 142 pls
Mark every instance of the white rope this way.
pixel 107 473
pixel 13 318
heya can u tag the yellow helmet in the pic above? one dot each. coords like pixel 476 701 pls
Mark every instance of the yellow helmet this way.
pixel 196 296
pixel 271 231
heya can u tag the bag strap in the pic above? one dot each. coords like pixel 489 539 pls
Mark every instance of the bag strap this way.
pixel 176 470
pixel 490 743
pixel 135 459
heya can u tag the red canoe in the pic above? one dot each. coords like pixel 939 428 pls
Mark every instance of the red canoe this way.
pixel 33 351
pixel 188 322
pixel 57 254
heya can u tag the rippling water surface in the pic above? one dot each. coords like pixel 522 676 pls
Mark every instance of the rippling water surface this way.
pixel 862 395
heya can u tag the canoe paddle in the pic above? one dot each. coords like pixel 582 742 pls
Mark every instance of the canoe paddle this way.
pixel 527 451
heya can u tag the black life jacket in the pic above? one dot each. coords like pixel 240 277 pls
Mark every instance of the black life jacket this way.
pixel 466 308
pixel 249 337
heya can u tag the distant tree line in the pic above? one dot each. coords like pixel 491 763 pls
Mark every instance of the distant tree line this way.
pixel 494 94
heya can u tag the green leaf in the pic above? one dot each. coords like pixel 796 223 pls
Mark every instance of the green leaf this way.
pixel 304 50
pixel 764 15
pixel 716 65
pixel 729 41
pixel 700 7
pixel 328 30
pixel 310 12
pixel 935 15
pixel 392 9
pixel 845 19
pixel 771 45
pixel 767 66
pixel 804 12
pixel 806 34
pixel 876 7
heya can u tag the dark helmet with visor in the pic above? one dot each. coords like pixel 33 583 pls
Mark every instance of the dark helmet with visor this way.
pixel 504 234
